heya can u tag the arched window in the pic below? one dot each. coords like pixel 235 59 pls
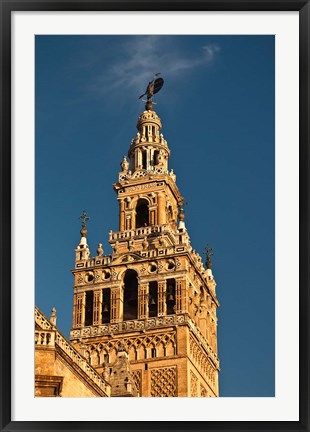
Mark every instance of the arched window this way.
pixel 153 302
pixel 142 213
pixel 106 305
pixel 130 295
pixel 89 308
pixel 170 293
pixel 155 157
pixel 144 159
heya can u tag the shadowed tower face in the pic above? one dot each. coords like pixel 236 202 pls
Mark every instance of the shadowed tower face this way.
pixel 151 298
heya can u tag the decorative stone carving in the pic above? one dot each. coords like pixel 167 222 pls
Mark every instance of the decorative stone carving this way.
pixel 124 164
pixel 100 250
pixel 194 384
pixel 164 382
pixel 136 375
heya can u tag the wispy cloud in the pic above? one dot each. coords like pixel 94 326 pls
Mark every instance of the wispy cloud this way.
pixel 142 56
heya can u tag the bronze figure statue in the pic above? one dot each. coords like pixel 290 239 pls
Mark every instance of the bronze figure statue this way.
pixel 84 218
pixel 153 87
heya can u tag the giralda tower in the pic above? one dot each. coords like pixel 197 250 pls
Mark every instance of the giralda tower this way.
pixel 151 300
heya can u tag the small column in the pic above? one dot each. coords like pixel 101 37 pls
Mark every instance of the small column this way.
pixel 161 212
pixel 53 317
pixel 97 307
pixel 74 311
pixel 179 293
pixel 152 216
pixel 203 319
pixel 143 301
pixel 116 312
pixel 162 306
pixel 208 327
pixel 83 308
pixel 121 215
pixel 214 335
pixel 79 310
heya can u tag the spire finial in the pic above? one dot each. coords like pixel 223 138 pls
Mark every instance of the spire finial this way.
pixel 208 252
pixel 181 213
pixel 153 87
pixel 84 218
pixel 53 317
pixel 100 250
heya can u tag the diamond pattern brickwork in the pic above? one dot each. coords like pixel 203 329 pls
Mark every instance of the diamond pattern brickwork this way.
pixel 164 382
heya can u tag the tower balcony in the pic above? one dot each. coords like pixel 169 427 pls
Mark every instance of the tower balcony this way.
pixel 138 173
pixel 141 232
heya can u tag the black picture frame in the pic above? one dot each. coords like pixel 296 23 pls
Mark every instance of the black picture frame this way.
pixel 6 8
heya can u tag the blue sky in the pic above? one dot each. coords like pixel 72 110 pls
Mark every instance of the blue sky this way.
pixel 217 110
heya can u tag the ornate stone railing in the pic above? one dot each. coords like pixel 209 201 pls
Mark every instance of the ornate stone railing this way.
pixel 123 176
pixel 139 232
pixel 128 326
pixel 44 338
pixel 57 339
pixel 41 320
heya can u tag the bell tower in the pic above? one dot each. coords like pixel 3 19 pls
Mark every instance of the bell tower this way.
pixel 151 297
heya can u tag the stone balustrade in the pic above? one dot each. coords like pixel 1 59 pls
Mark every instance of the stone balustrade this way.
pixel 128 326
pixel 154 170
pixel 140 232
pixel 44 338
pixel 41 320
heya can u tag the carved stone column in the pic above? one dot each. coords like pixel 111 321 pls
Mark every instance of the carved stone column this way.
pixel 161 209
pixel 203 319
pixel 121 215
pixel 214 335
pixel 117 301
pixel 97 307
pixel 180 289
pixel 74 311
pixel 162 306
pixel 152 215
pixel 80 301
pixel 143 300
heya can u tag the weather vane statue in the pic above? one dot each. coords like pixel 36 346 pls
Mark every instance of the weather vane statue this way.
pixel 208 252
pixel 153 87
pixel 84 218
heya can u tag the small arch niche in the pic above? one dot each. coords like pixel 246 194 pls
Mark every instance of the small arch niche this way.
pixel 106 274
pixel 142 213
pixel 130 295
pixel 152 267
pixel 170 265
pixel 89 277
